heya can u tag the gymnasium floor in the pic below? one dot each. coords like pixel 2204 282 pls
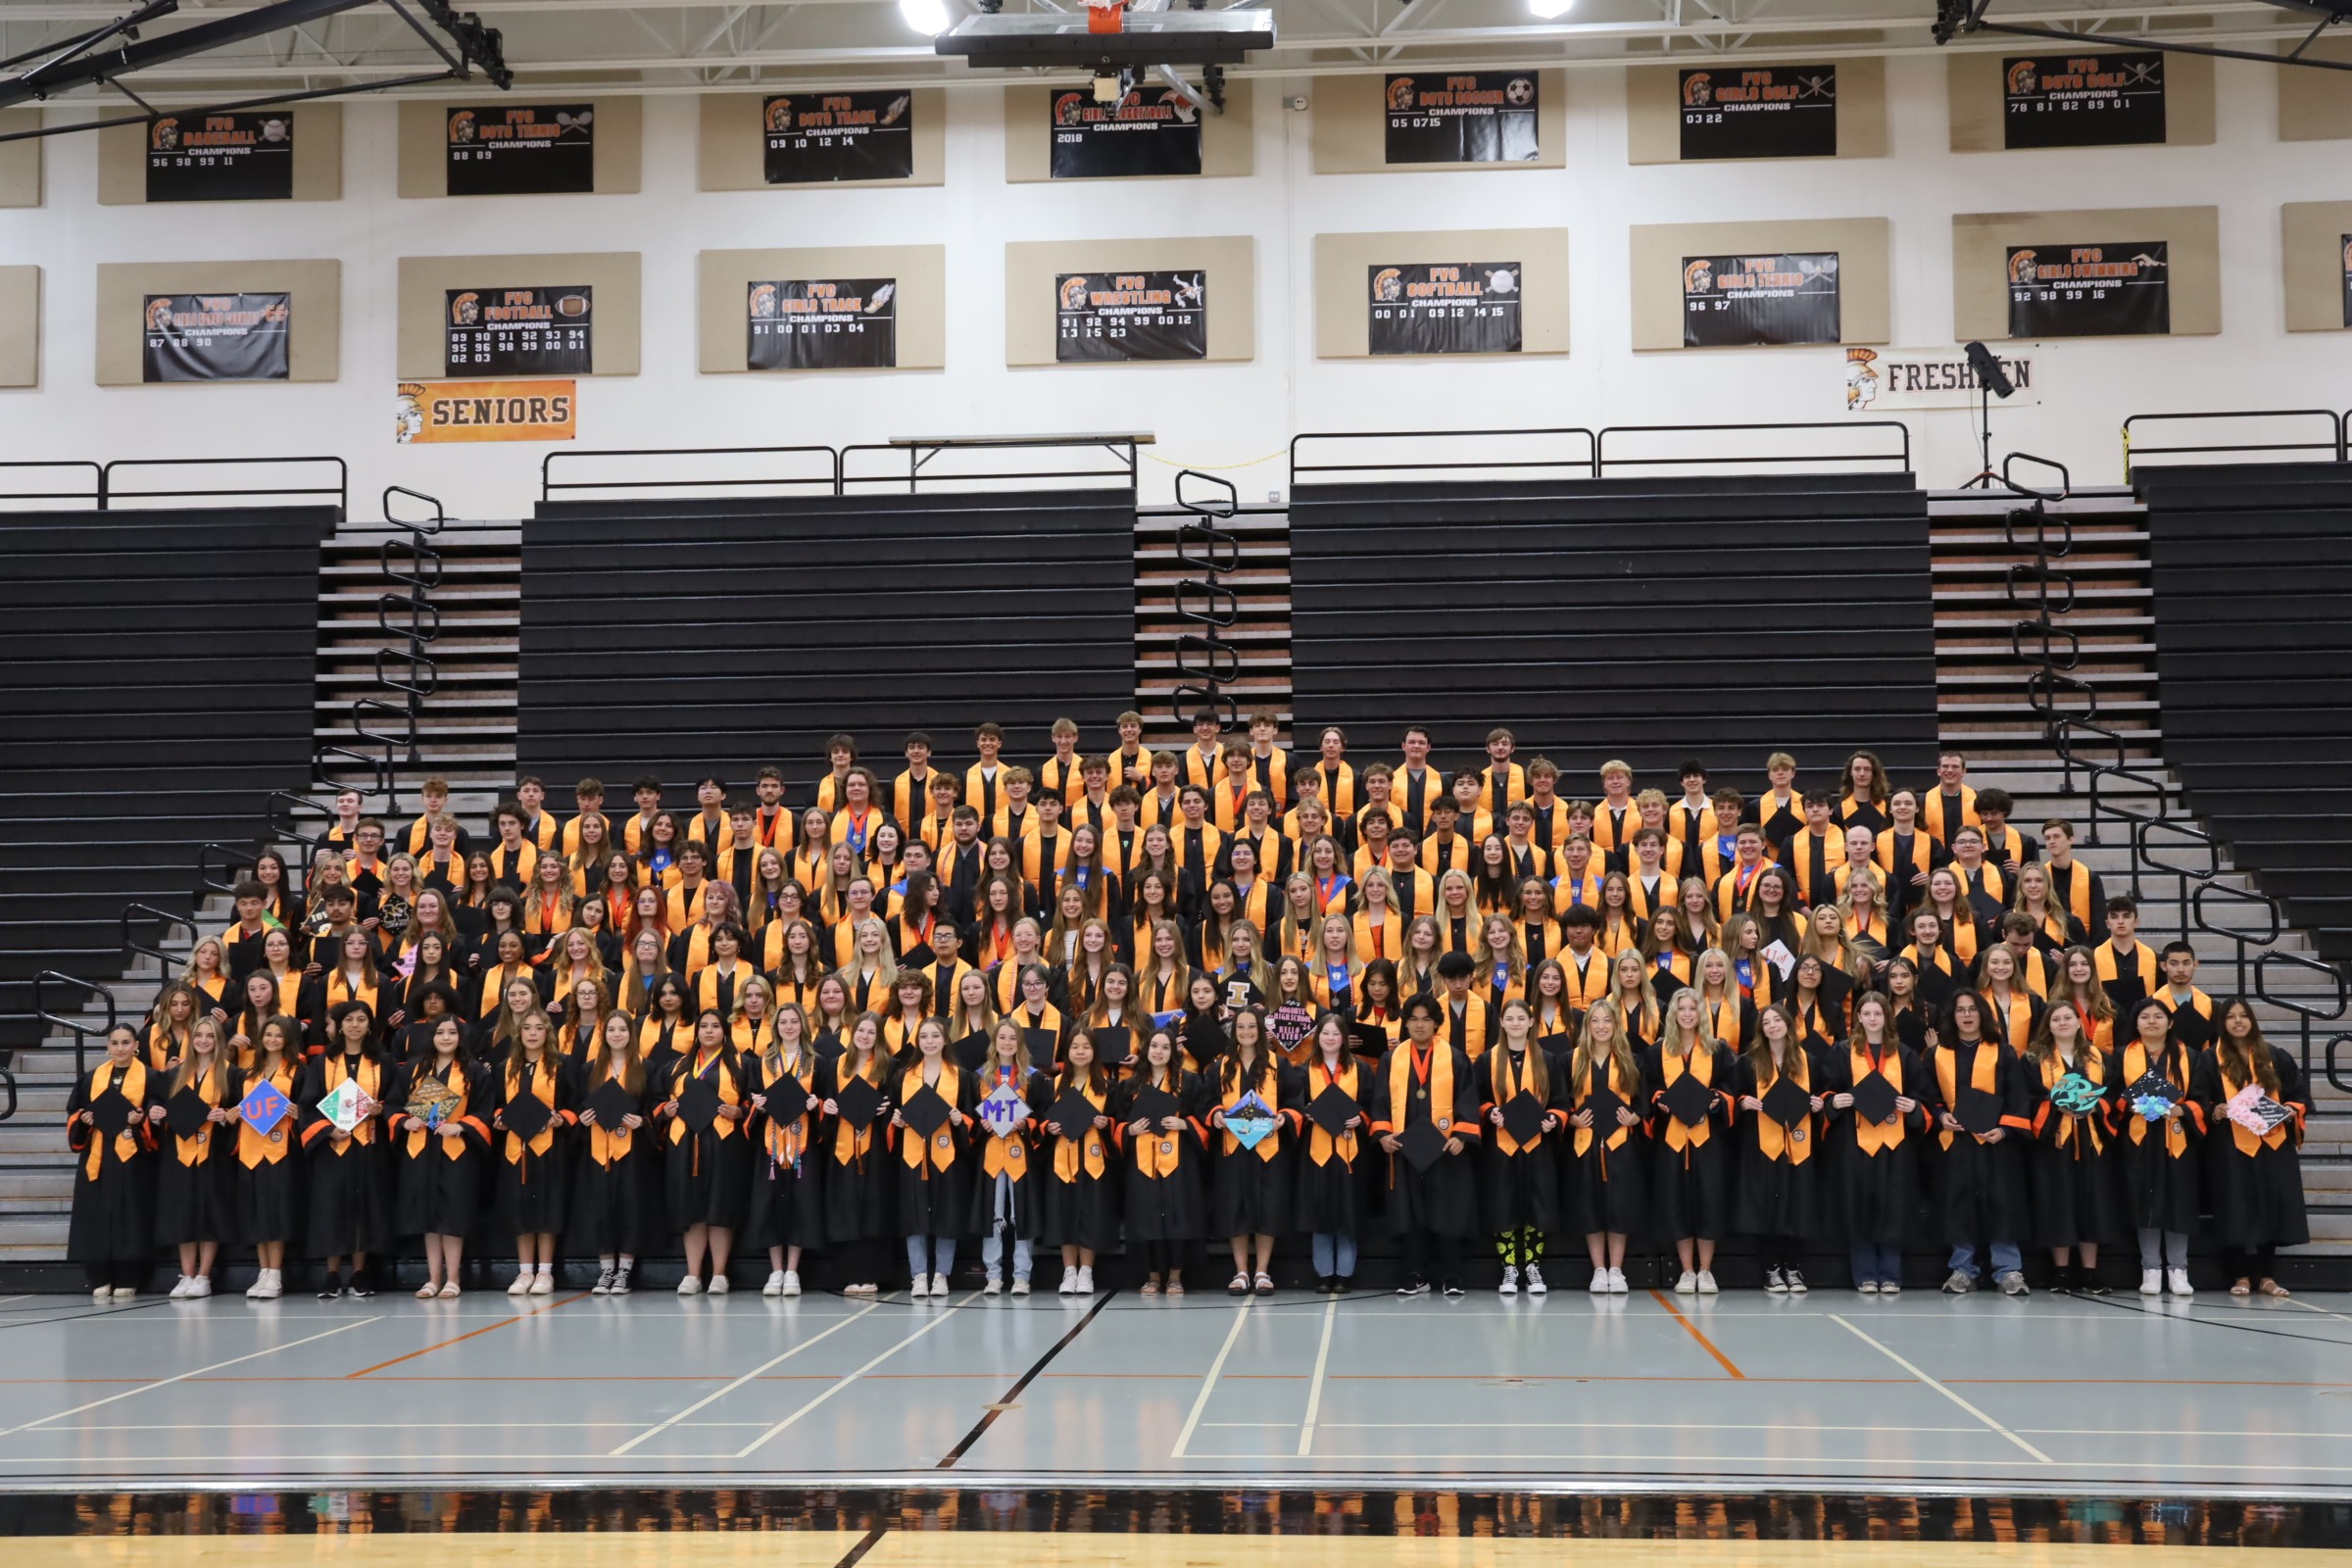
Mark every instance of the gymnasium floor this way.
pixel 1741 1393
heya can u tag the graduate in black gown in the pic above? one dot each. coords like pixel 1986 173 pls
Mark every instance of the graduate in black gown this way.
pixel 613 1203
pixel 439 1165
pixel 1874 1161
pixel 1005 1195
pixel 193 1200
pixel 1250 1194
pixel 2156 1159
pixel 1607 1153
pixel 1974 1089
pixel 1432 1089
pixel 1166 1160
pixel 706 1171
pixel 1080 1182
pixel 860 1221
pixel 265 1182
pixel 1337 1167
pixel 532 1171
pixel 1519 1172
pixel 787 1209
pixel 112 1230
pixel 349 1194
pixel 2254 1180
pixel 1776 1185
pixel 2070 1171
pixel 1690 1190
pixel 935 1163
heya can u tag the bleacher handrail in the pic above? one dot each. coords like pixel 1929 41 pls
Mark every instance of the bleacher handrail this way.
pixel 232 858
pixel 1900 457
pixel 73 1026
pixel 133 946
pixel 1585 464
pixel 94 495
pixel 549 485
pixel 110 490
pixel 2333 446
pixel 1205 662
pixel 919 452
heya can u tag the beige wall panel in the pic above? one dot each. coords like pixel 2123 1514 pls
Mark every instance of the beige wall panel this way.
pixel 1654 111
pixel 616 276
pixel 19 326
pixel 1863 271
pixel 1228 141
pixel 1350 133
pixel 1031 266
pixel 2317 105
pixel 921 302
pixel 2314 234
pixel 1981 268
pixel 318 160
pixel 314 353
pixel 730 154
pixel 1977 107
pixel 21 161
pixel 1343 327
pixel 619 128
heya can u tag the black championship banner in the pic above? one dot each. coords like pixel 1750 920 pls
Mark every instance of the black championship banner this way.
pixel 2091 290
pixel 217 337
pixel 1768 111
pixel 2348 279
pixel 220 158
pixel 546 149
pixel 1485 118
pixel 1739 301
pixel 832 323
pixel 520 331
pixel 2106 100
pixel 1463 308
pixel 1130 315
pixel 1145 133
pixel 815 137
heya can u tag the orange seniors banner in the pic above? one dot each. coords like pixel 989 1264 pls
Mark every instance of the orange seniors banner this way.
pixel 487 411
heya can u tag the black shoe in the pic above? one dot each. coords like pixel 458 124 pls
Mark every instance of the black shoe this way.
pixel 2062 1280
pixel 1341 1285
pixel 331 1291
pixel 2092 1285
pixel 1453 1287
pixel 1325 1285
pixel 1411 1286
pixel 358 1290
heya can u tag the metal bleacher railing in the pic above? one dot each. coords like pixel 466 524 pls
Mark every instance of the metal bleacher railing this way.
pixel 1205 662
pixel 2044 590
pixel 1324 457
pixel 825 470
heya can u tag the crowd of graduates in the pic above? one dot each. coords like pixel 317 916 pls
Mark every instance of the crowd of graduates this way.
pixel 1159 1004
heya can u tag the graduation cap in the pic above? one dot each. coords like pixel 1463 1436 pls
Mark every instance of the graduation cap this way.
pixel 612 1101
pixel 1523 1118
pixel 187 1111
pixel 1423 1145
pixel 1979 1109
pixel 1001 1110
pixel 1044 1045
pixel 859 1102
pixel 2152 1086
pixel 1836 986
pixel 971 1051
pixel 527 1114
pixel 1687 1101
pixel 1371 1040
pixel 1073 1112
pixel 1602 1102
pixel 1874 1097
pixel 698 1104
pixel 1155 1104
pixel 113 1113
pixel 1114 1045
pixel 341 1108
pixel 1786 1103
pixel 1167 1019
pixel 1250 1119
pixel 2075 1094
pixel 926 1113
pixel 263 1107
pixel 788 1098
pixel 1332 1108
pixel 431 1102
pixel 1240 993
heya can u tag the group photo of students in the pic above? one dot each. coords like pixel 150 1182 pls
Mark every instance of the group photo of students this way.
pixel 1150 1017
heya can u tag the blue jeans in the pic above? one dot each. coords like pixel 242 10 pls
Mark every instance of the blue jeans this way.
pixel 992 1255
pixel 2005 1259
pixel 941 1247
pixel 1877 1263
pixel 1334 1254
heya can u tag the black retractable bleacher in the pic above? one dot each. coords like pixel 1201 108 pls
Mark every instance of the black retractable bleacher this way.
pixel 2253 599
pixel 1648 619
pixel 156 679
pixel 683 636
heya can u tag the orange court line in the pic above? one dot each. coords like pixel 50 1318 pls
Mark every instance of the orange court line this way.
pixel 506 1322
pixel 1691 1329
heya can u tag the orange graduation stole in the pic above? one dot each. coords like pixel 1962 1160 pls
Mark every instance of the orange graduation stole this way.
pixel 1230 1092
pixel 848 1143
pixel 133 1084
pixel 1320 1145
pixel 541 1087
pixel 786 1139
pixel 371 1076
pixel 195 1151
pixel 1980 1076
pixel 2245 1138
pixel 1610 1136
pixel 937 1151
pixel 254 1148
pixel 1869 1136
pixel 2175 1069
pixel 1085 1148
pixel 2092 1064
pixel 419 1140
pixel 1700 1065
pixel 1508 1081
pixel 1775 1141
pixel 1007 1155
pixel 1158 1151
pixel 1427 1077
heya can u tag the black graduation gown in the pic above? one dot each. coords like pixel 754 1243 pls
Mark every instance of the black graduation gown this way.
pixel 1335 1196
pixel 1020 1156
pixel 1978 1188
pixel 438 1187
pixel 787 1206
pixel 1444 1199
pixel 114 1194
pixel 1779 1197
pixel 2257 1198
pixel 857 1185
pixel 933 1202
pixel 1249 1189
pixel 1690 1188
pixel 194 1200
pixel 1877 1196
pixel 1607 1189
pixel 1082 1209
pixel 2072 1185
pixel 534 1187
pixel 707 1175
pixel 350 1187
pixel 2157 1188
pixel 614 1210
pixel 266 1195
pixel 1523 1186
pixel 1168 1206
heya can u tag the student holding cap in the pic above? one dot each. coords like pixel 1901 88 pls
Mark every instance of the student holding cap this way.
pixel 1428 1122
pixel 111 1233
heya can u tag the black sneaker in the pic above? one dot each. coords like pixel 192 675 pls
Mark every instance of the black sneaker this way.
pixel 1411 1288
pixel 358 1290
pixel 621 1280
pixel 331 1291
pixel 1341 1285
pixel 1453 1287
pixel 2092 1285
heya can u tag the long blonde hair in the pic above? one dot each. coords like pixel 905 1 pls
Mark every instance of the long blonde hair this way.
pixel 1620 1045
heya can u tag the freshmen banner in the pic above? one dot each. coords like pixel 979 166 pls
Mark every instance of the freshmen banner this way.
pixel 220 158
pixel 1768 111
pixel 217 337
pixel 1739 301
pixel 520 332
pixel 832 323
pixel 1902 380
pixel 1486 117
pixel 1146 132
pixel 1462 307
pixel 538 150
pixel 428 412
pixel 812 138
pixel 2082 100
pixel 1130 315
pixel 2091 290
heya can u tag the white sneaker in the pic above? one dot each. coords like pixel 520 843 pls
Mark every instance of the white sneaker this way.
pixel 791 1282
pixel 921 1288
pixel 2177 1278
pixel 1510 1282
pixel 182 1291
pixel 1687 1285
pixel 994 1287
pixel 1069 1282
pixel 939 1285
pixel 775 1285
pixel 2151 1282
pixel 201 1286
pixel 273 1284
pixel 1534 1281
pixel 717 1286
pixel 104 1292
pixel 1706 1281
pixel 1086 1281
pixel 126 1293
pixel 523 1283
pixel 261 1278
pixel 1020 1286
pixel 1617 1285
pixel 690 1285
pixel 1600 1282
pixel 543 1283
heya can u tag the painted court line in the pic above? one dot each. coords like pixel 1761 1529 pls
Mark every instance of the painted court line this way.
pixel 1692 1329
pixel 460 1339
pixel 719 1394
pixel 1888 1352
pixel 748 1448
pixel 1314 1389
pixel 1208 1383
pixel 165 1383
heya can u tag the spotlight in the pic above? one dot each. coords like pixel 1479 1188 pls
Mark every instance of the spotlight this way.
pixel 926 17
pixel 1989 373
pixel 1551 10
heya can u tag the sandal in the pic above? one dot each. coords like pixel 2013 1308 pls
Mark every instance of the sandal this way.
pixel 450 1292
pixel 1239 1286
pixel 1175 1287
pixel 1265 1285
pixel 1152 1286
pixel 2270 1287
pixel 2241 1288
pixel 427 1291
